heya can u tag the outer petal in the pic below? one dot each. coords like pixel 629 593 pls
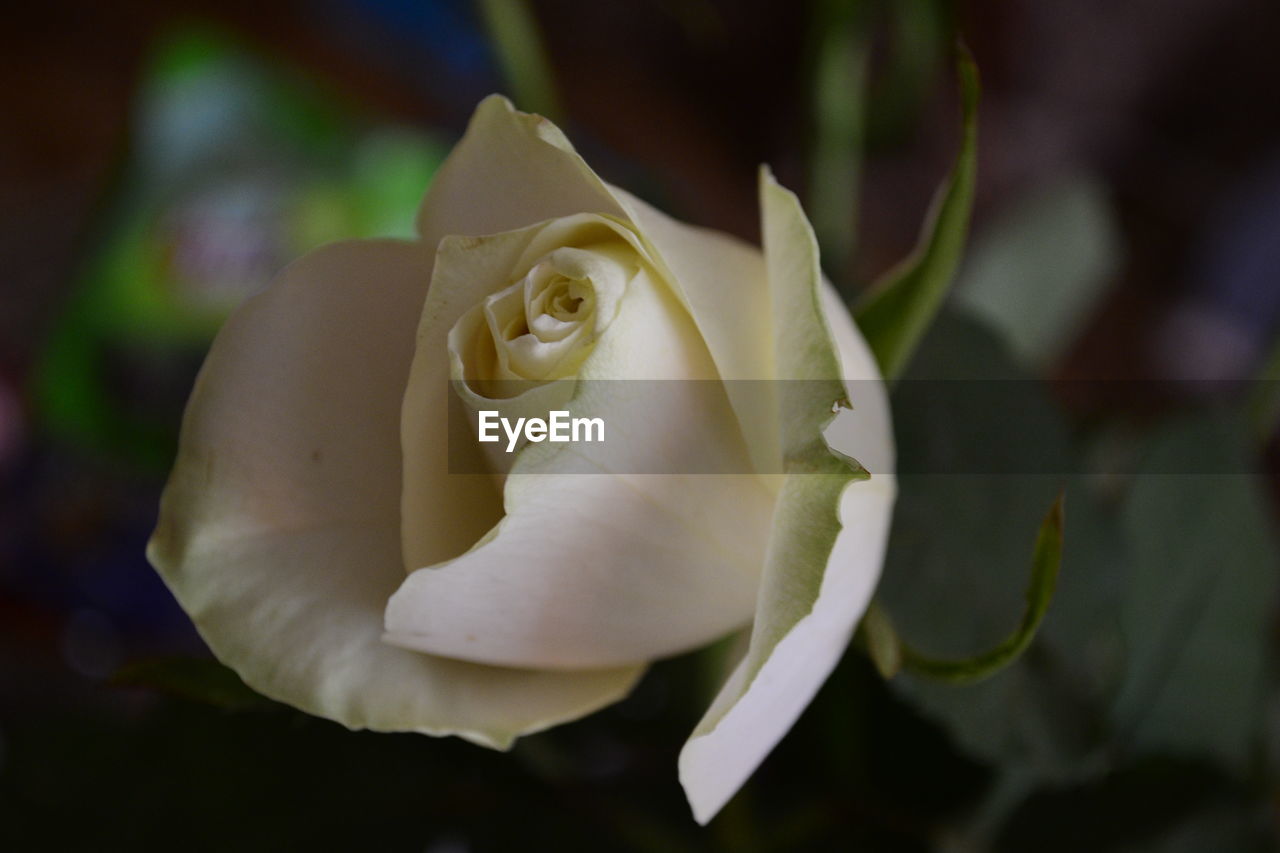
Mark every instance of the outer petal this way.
pixel 829 532
pixel 510 170
pixel 279 529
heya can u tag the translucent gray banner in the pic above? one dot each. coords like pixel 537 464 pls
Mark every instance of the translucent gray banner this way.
pixel 987 427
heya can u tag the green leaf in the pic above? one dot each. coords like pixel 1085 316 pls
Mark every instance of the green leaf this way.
pixel 1197 613
pixel 1037 271
pixel 1045 563
pixel 1144 807
pixel 955 572
pixel 898 309
pixel 199 679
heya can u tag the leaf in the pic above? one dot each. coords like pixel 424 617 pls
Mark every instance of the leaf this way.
pixel 1228 827
pixel 1198 605
pixel 199 679
pixel 956 565
pixel 1040 267
pixel 1045 564
pixel 1148 806
pixel 898 309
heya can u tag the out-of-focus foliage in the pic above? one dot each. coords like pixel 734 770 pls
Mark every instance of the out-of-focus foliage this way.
pixel 238 168
pixel 1046 562
pixel 1039 269
pixel 1155 647
pixel 197 679
pixel 1198 602
pixel 957 563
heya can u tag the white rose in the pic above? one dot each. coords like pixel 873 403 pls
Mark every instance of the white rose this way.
pixel 313 530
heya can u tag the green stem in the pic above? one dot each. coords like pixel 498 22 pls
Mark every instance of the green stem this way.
pixel 839 119
pixel 889 653
pixel 514 34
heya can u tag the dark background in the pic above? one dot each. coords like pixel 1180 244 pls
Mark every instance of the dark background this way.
pixel 1168 111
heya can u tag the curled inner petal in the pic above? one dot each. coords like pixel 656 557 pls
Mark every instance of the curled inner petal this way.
pixel 545 322
pixel 592 566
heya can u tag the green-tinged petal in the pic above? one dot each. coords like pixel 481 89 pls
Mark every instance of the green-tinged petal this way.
pixel 597 563
pixel 773 685
pixel 509 170
pixel 829 529
pixel 898 309
pixel 279 529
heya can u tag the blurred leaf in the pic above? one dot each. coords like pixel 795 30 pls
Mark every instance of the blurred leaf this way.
pixel 514 35
pixel 878 636
pixel 1153 805
pixel 198 679
pixel 920 32
pixel 956 565
pixel 1264 403
pixel 839 105
pixel 1199 601
pixel 1225 828
pixel 1037 271
pixel 1045 562
pixel 897 310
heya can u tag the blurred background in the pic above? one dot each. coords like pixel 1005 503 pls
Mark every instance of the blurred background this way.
pixel 161 161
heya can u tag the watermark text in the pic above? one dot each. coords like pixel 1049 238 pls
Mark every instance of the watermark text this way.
pixel 557 427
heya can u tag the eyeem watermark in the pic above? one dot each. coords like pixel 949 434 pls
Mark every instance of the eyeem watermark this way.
pixel 558 427
pixel 942 427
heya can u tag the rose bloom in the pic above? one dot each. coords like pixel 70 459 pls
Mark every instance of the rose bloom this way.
pixel 326 530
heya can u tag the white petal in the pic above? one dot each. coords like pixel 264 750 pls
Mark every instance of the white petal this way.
pixel 864 431
pixel 509 170
pixel 466 271
pixel 443 464
pixel 513 169
pixel 724 286
pixel 279 527
pixel 599 569
pixel 592 570
pixel 749 718
pixel 829 533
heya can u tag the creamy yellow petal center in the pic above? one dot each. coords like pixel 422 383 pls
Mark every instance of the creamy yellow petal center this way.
pixel 544 323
